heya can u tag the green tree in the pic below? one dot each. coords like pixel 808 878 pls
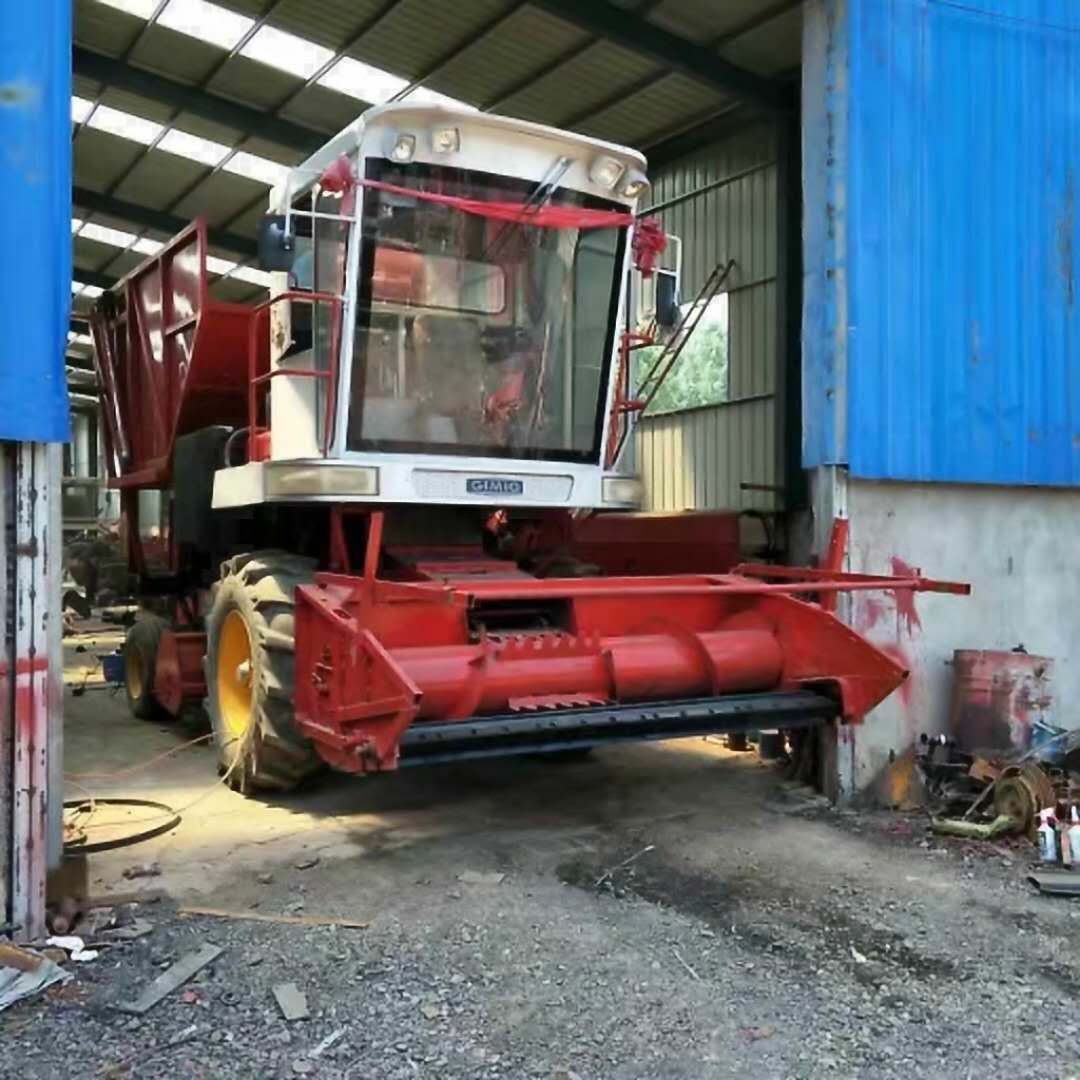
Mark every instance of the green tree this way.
pixel 700 375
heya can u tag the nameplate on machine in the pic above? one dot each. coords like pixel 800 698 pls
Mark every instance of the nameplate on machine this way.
pixel 494 485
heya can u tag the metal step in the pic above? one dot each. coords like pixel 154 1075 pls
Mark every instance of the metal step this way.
pixel 573 729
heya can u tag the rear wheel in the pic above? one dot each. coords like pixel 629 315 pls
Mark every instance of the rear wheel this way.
pixel 140 662
pixel 249 672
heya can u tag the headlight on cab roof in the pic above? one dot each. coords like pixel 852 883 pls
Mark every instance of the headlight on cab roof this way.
pixel 446 140
pixel 606 172
pixel 404 148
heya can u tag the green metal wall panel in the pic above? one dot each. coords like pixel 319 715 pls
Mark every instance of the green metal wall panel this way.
pixel 698 458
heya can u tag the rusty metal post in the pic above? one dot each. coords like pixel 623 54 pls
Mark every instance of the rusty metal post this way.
pixel 31 712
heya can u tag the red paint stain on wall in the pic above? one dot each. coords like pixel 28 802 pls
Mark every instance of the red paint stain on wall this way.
pixel 906 689
pixel 871 611
pixel 905 598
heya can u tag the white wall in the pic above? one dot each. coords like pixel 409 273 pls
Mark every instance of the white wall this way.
pixel 1013 545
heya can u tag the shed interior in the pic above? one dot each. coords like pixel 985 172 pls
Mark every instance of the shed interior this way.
pixel 191 107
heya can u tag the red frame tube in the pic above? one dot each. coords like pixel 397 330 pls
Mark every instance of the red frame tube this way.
pixel 260 313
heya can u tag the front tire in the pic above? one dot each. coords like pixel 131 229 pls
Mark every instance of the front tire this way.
pixel 250 673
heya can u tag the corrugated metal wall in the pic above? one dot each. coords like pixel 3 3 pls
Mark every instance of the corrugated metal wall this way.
pixel 942 339
pixel 697 459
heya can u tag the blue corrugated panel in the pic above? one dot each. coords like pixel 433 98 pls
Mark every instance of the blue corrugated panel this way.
pixel 35 240
pixel 959 241
pixel 824 321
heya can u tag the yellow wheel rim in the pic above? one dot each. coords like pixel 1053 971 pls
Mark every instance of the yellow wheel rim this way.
pixel 234 675
pixel 133 672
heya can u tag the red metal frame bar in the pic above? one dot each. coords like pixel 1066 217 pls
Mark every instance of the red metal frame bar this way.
pixel 830 579
pixel 261 312
pixel 834 556
pixel 178 674
pixel 376 520
pixel 549 589
pixel 818 579
pixel 339 548
pixel 622 403
pixel 339 560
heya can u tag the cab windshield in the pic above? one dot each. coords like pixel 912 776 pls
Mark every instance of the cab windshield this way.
pixel 480 336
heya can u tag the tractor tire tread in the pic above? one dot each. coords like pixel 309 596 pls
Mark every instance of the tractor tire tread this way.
pixel 274 755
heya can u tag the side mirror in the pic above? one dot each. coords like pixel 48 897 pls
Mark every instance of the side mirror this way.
pixel 276 247
pixel 667 299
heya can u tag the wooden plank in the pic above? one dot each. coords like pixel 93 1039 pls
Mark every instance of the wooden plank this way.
pixel 292 920
pixel 12 956
pixel 171 979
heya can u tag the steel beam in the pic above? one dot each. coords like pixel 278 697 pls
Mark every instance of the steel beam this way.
pixel 93 277
pixel 618 26
pixel 158 219
pixel 711 126
pixel 251 121
pixel 437 66
pixel 560 62
pixel 760 19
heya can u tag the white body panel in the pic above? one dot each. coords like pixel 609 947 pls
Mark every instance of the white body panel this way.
pixel 407 478
pixel 488 143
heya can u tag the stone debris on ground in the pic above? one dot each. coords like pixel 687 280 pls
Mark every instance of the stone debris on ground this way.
pixel 144 870
pixel 659 914
pixel 673 966
pixel 475 877
pixel 292 1001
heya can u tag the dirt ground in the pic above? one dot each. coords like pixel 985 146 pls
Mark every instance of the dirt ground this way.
pixel 667 910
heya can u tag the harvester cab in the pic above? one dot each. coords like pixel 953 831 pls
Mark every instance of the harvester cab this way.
pixel 384 536
pixel 450 294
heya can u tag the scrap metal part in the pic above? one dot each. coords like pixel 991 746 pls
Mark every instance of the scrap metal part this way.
pixel 1021 792
pixel 975 830
pixel 1056 882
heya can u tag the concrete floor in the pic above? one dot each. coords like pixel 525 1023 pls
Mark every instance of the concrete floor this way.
pixel 658 910
pixel 484 807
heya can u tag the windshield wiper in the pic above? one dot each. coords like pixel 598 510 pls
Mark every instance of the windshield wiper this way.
pixel 538 198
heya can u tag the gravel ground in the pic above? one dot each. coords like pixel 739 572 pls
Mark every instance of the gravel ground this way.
pixel 756 934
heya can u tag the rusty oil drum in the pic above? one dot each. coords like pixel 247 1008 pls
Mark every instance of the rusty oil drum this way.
pixel 998 698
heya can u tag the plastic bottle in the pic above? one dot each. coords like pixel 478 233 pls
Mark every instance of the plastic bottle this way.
pixel 1047 837
pixel 1074 836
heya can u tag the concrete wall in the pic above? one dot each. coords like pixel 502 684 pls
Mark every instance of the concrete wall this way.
pixel 1011 544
